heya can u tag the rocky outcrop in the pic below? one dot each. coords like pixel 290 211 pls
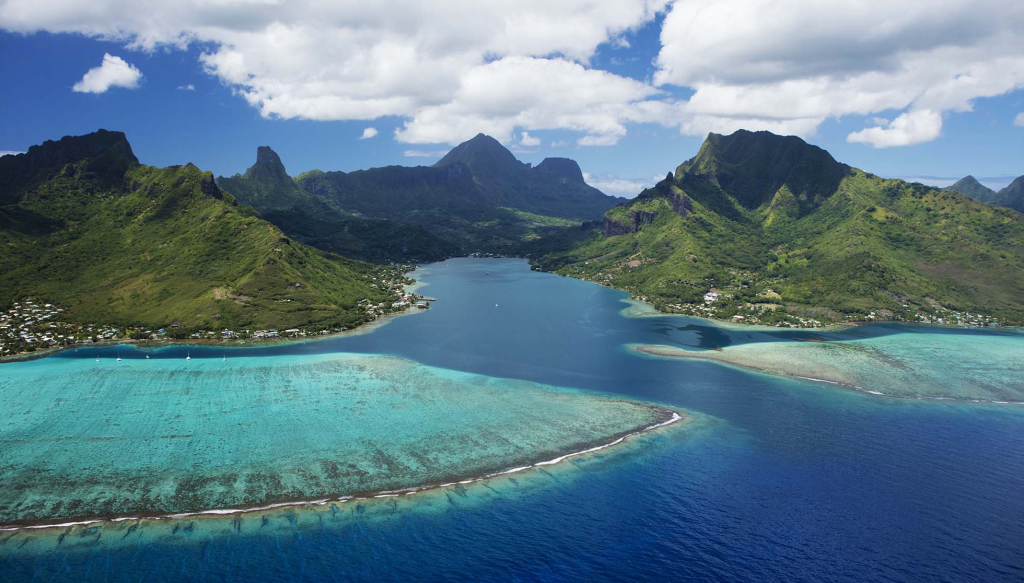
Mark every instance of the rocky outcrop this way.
pixel 681 204
pixel 611 227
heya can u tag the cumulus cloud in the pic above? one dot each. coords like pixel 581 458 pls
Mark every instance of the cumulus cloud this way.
pixel 790 66
pixel 913 127
pixel 529 141
pixel 455 68
pixel 615 186
pixel 497 97
pixel 1019 120
pixel 189 87
pixel 359 61
pixel 368 133
pixel 112 72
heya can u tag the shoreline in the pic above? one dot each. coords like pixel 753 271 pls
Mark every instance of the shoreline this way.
pixel 151 343
pixel 728 324
pixel 672 353
pixel 664 417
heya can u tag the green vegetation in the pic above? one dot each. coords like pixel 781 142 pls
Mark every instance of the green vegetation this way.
pixel 116 242
pixel 479 198
pixel 1010 197
pixel 782 233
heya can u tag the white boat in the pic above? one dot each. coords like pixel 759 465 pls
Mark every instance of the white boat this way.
pixel 118 358
pixel 188 356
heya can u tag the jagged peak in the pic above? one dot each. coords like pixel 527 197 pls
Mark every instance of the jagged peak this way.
pixel 103 154
pixel 75 149
pixel 753 166
pixel 268 165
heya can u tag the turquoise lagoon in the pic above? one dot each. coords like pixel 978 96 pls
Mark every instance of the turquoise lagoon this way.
pixel 914 364
pixel 94 437
pixel 772 478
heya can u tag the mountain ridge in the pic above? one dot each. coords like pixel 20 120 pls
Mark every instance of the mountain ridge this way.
pixel 119 242
pixel 478 198
pixel 782 233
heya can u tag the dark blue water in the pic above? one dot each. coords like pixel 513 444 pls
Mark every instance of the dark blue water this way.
pixel 789 481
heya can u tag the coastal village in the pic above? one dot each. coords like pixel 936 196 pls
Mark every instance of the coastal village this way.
pixel 31 325
pixel 748 300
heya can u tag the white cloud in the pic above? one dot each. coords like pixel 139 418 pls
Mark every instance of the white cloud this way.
pixel 368 133
pixel 189 87
pixel 424 153
pixel 913 127
pixel 454 68
pixel 616 186
pixel 560 144
pixel 1019 120
pixel 353 60
pixel 10 153
pixel 528 140
pixel 497 97
pixel 789 66
pixel 113 72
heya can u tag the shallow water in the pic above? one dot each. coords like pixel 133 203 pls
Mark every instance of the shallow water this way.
pixel 779 480
pixel 86 438
pixel 915 364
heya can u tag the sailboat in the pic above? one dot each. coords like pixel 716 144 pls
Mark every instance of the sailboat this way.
pixel 224 358
pixel 118 357
pixel 97 358
pixel 188 356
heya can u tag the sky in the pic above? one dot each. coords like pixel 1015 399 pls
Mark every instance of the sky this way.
pixel 927 90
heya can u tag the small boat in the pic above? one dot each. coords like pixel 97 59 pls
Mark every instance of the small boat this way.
pixel 224 358
pixel 147 357
pixel 118 358
pixel 188 356
pixel 97 359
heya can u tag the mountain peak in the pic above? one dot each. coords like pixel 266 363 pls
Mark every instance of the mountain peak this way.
pixel 752 166
pixel 969 186
pixel 562 168
pixel 108 153
pixel 268 166
pixel 482 152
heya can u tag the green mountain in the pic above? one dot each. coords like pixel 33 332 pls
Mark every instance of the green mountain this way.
pixel 970 186
pixel 86 226
pixel 554 188
pixel 317 221
pixel 479 198
pixel 779 230
pixel 1012 196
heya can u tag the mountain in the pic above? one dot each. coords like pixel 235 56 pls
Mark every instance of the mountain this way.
pixel 1012 196
pixel 777 230
pixel 970 186
pixel 478 198
pixel 317 221
pixel 554 188
pixel 86 226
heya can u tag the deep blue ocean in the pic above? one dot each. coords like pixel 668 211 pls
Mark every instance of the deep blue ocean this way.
pixel 784 481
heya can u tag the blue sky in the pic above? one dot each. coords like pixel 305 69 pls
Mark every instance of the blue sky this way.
pixel 189 91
